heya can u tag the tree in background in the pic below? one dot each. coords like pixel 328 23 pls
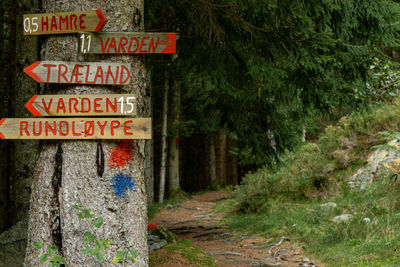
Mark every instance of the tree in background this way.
pixel 262 71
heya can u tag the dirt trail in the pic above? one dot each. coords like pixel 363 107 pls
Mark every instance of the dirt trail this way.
pixel 195 221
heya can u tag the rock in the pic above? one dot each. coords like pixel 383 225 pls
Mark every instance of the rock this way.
pixel 305 260
pixel 342 218
pixel 270 264
pixel 375 168
pixel 13 245
pixel 329 205
pixel 154 242
pixel 159 237
pixel 367 220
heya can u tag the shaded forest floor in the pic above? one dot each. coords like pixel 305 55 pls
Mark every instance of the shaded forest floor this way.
pixel 197 221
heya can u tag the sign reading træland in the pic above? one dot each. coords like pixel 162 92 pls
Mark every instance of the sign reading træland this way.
pixel 65 22
pixel 80 72
pixel 75 128
pixel 127 43
pixel 82 105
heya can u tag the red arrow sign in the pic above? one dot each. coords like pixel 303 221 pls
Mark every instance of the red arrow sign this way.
pixel 79 72
pixel 82 105
pixel 66 22
pixel 128 43
pixel 76 128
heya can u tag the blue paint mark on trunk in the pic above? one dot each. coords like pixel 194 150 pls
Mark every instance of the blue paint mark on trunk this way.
pixel 122 184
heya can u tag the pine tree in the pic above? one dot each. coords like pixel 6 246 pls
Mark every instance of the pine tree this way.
pixel 259 67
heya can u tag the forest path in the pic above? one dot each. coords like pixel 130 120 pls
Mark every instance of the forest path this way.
pixel 194 220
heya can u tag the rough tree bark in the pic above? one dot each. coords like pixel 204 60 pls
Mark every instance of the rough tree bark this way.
pixel 25 152
pixel 149 149
pixel 221 161
pixel 4 146
pixel 212 166
pixel 164 151
pixel 173 158
pixel 232 166
pixel 66 172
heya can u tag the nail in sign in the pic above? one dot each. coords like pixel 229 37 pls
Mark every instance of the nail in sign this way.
pixel 82 105
pixel 128 43
pixel 79 72
pixel 75 128
pixel 65 22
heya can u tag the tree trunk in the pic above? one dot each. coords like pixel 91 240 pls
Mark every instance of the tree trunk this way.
pixel 212 166
pixel 67 173
pixel 232 166
pixel 149 149
pixel 164 152
pixel 221 162
pixel 5 219
pixel 174 185
pixel 25 152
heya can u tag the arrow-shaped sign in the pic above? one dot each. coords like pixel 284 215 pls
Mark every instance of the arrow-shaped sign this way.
pixel 128 43
pixel 65 22
pixel 79 72
pixel 82 105
pixel 82 128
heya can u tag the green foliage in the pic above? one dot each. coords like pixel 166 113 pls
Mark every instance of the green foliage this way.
pixel 89 237
pixel 252 68
pixel 54 261
pixel 97 222
pixel 320 167
pixel 38 245
pixel 383 81
pixel 94 246
pixel 99 250
pixel 121 254
pixel 287 200
pixel 100 245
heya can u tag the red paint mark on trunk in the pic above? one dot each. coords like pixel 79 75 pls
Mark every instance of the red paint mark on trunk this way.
pixel 121 155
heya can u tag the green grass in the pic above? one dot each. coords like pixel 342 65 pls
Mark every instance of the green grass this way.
pixel 352 243
pixel 187 250
pixel 286 200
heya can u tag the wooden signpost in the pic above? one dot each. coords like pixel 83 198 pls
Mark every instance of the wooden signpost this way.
pixel 65 22
pixel 128 43
pixel 82 105
pixel 80 72
pixel 75 128
pixel 96 73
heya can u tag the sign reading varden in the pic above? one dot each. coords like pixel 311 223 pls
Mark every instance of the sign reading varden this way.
pixel 82 105
pixel 127 43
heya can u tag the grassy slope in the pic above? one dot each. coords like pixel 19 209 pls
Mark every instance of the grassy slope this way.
pixel 287 201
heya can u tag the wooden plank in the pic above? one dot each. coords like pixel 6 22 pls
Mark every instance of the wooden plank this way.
pixel 82 105
pixel 65 22
pixel 127 43
pixel 75 128
pixel 80 72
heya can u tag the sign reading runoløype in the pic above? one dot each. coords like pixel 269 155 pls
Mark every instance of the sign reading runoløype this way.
pixel 82 105
pixel 127 43
pixel 80 72
pixel 75 128
pixel 65 22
